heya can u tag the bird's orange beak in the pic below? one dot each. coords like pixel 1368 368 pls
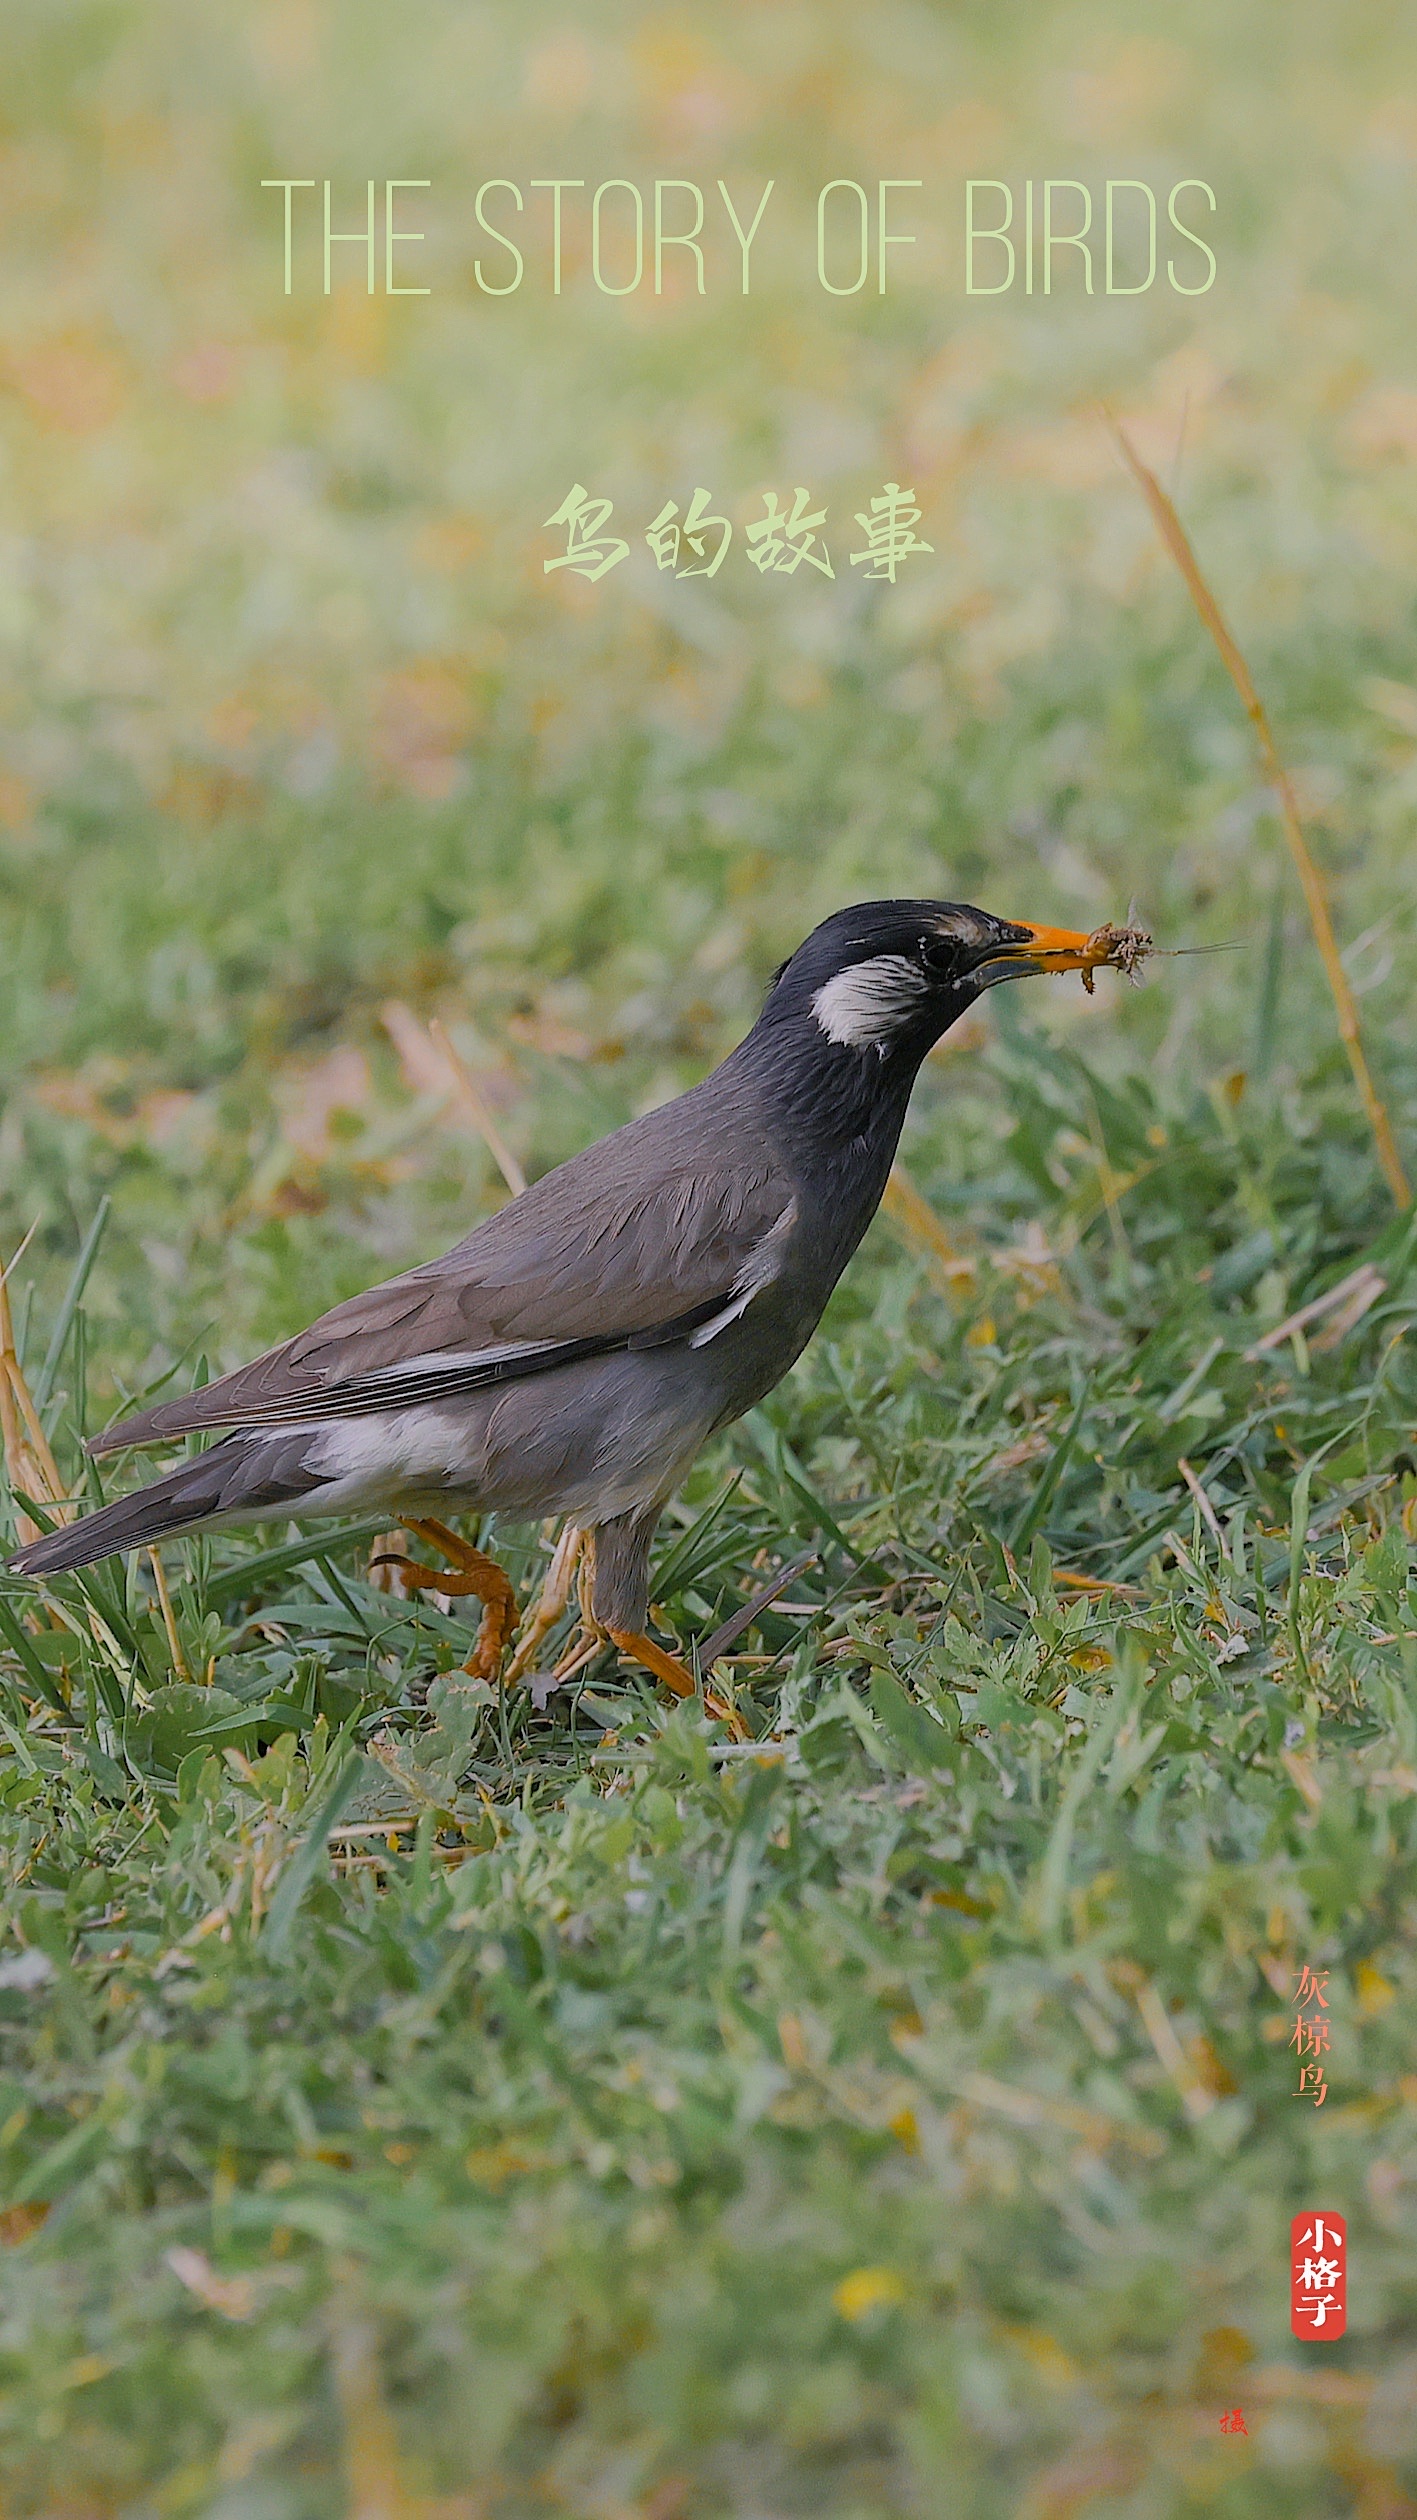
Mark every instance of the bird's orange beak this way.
pixel 1063 949
pixel 1067 949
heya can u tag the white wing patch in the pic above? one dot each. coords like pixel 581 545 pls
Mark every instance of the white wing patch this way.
pixel 400 1447
pixel 758 1271
pixel 452 1360
pixel 864 1005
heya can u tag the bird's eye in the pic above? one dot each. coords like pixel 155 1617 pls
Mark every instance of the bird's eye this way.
pixel 939 954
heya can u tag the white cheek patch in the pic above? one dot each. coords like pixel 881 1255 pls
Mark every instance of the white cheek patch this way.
pixel 864 1005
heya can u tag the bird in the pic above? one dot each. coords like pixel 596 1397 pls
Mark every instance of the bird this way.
pixel 573 1353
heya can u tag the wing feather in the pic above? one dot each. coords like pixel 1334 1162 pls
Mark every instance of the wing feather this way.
pixel 585 1262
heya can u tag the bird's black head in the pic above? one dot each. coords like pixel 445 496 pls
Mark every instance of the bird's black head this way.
pixel 881 982
pixel 825 1075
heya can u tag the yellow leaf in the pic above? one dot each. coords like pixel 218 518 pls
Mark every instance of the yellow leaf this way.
pixel 905 2130
pixel 18 2221
pixel 1047 2356
pixel 1374 1992
pixel 869 2288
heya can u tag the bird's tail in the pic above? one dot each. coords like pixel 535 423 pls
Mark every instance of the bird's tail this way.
pixel 243 1476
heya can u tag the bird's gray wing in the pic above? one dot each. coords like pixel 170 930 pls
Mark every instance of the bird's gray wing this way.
pixel 583 1263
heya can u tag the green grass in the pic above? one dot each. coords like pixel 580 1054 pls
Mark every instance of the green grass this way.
pixel 585 2091
pixel 416 2101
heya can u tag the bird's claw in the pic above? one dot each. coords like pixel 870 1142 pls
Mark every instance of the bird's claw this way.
pixel 676 1676
pixel 471 1572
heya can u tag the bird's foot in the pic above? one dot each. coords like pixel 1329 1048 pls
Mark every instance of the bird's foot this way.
pixel 549 1603
pixel 676 1676
pixel 471 1572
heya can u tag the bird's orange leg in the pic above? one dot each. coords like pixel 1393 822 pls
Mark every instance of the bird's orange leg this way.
pixel 675 1675
pixel 550 1601
pixel 474 1573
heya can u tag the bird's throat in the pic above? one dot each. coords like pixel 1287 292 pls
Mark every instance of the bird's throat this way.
pixel 835 1115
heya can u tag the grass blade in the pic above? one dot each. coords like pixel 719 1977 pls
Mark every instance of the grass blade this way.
pixel 1032 1515
pixel 233 1583
pixel 73 1297
pixel 309 1853
pixel 12 1629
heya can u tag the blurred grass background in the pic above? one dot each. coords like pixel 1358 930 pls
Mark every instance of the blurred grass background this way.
pixel 294 720
pixel 295 731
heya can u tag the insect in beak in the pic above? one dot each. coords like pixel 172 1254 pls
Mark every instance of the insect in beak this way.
pixel 1068 949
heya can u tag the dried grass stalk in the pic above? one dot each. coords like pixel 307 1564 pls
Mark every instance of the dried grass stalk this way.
pixel 29 1464
pixel 434 1063
pixel 469 1093
pixel 1173 534
pixel 174 1641
pixel 915 1220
